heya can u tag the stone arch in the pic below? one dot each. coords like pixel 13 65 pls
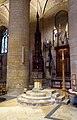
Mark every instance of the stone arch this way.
pixel 3 58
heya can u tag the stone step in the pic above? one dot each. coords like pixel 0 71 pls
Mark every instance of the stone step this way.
pixel 61 97
pixel 55 95
pixel 36 93
pixel 34 102
pixel 46 97
pixel 66 101
pixel 52 91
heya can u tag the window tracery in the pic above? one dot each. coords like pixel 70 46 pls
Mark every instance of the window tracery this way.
pixel 4 45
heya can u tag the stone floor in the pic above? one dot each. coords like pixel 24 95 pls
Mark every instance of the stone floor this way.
pixel 12 110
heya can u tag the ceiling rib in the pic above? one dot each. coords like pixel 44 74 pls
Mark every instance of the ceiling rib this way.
pixel 45 6
pixel 5 7
pixel 33 6
pixel 40 6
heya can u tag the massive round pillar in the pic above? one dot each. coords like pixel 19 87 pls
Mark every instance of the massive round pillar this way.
pixel 18 46
pixel 73 35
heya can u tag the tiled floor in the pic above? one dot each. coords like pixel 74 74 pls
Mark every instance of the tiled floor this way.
pixel 12 110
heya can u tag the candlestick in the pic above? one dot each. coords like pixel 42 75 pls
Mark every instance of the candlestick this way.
pixel 62 55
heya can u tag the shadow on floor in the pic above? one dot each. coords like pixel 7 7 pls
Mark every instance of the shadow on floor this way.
pixel 2 99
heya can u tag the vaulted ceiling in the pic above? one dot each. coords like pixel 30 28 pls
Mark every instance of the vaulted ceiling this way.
pixel 45 8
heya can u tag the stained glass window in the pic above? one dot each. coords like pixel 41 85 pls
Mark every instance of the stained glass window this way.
pixel 4 46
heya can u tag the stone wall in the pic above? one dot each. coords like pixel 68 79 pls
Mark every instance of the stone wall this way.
pixel 73 35
pixel 46 29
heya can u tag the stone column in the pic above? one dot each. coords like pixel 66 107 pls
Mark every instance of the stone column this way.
pixel 18 46
pixel 73 35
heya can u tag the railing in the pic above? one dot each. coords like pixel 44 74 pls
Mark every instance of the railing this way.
pixel 58 84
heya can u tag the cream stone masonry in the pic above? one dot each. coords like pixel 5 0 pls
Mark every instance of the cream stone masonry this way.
pixel 18 72
pixel 73 35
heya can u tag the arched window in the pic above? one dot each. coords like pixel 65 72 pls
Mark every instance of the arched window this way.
pixel 4 44
pixel 61 29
